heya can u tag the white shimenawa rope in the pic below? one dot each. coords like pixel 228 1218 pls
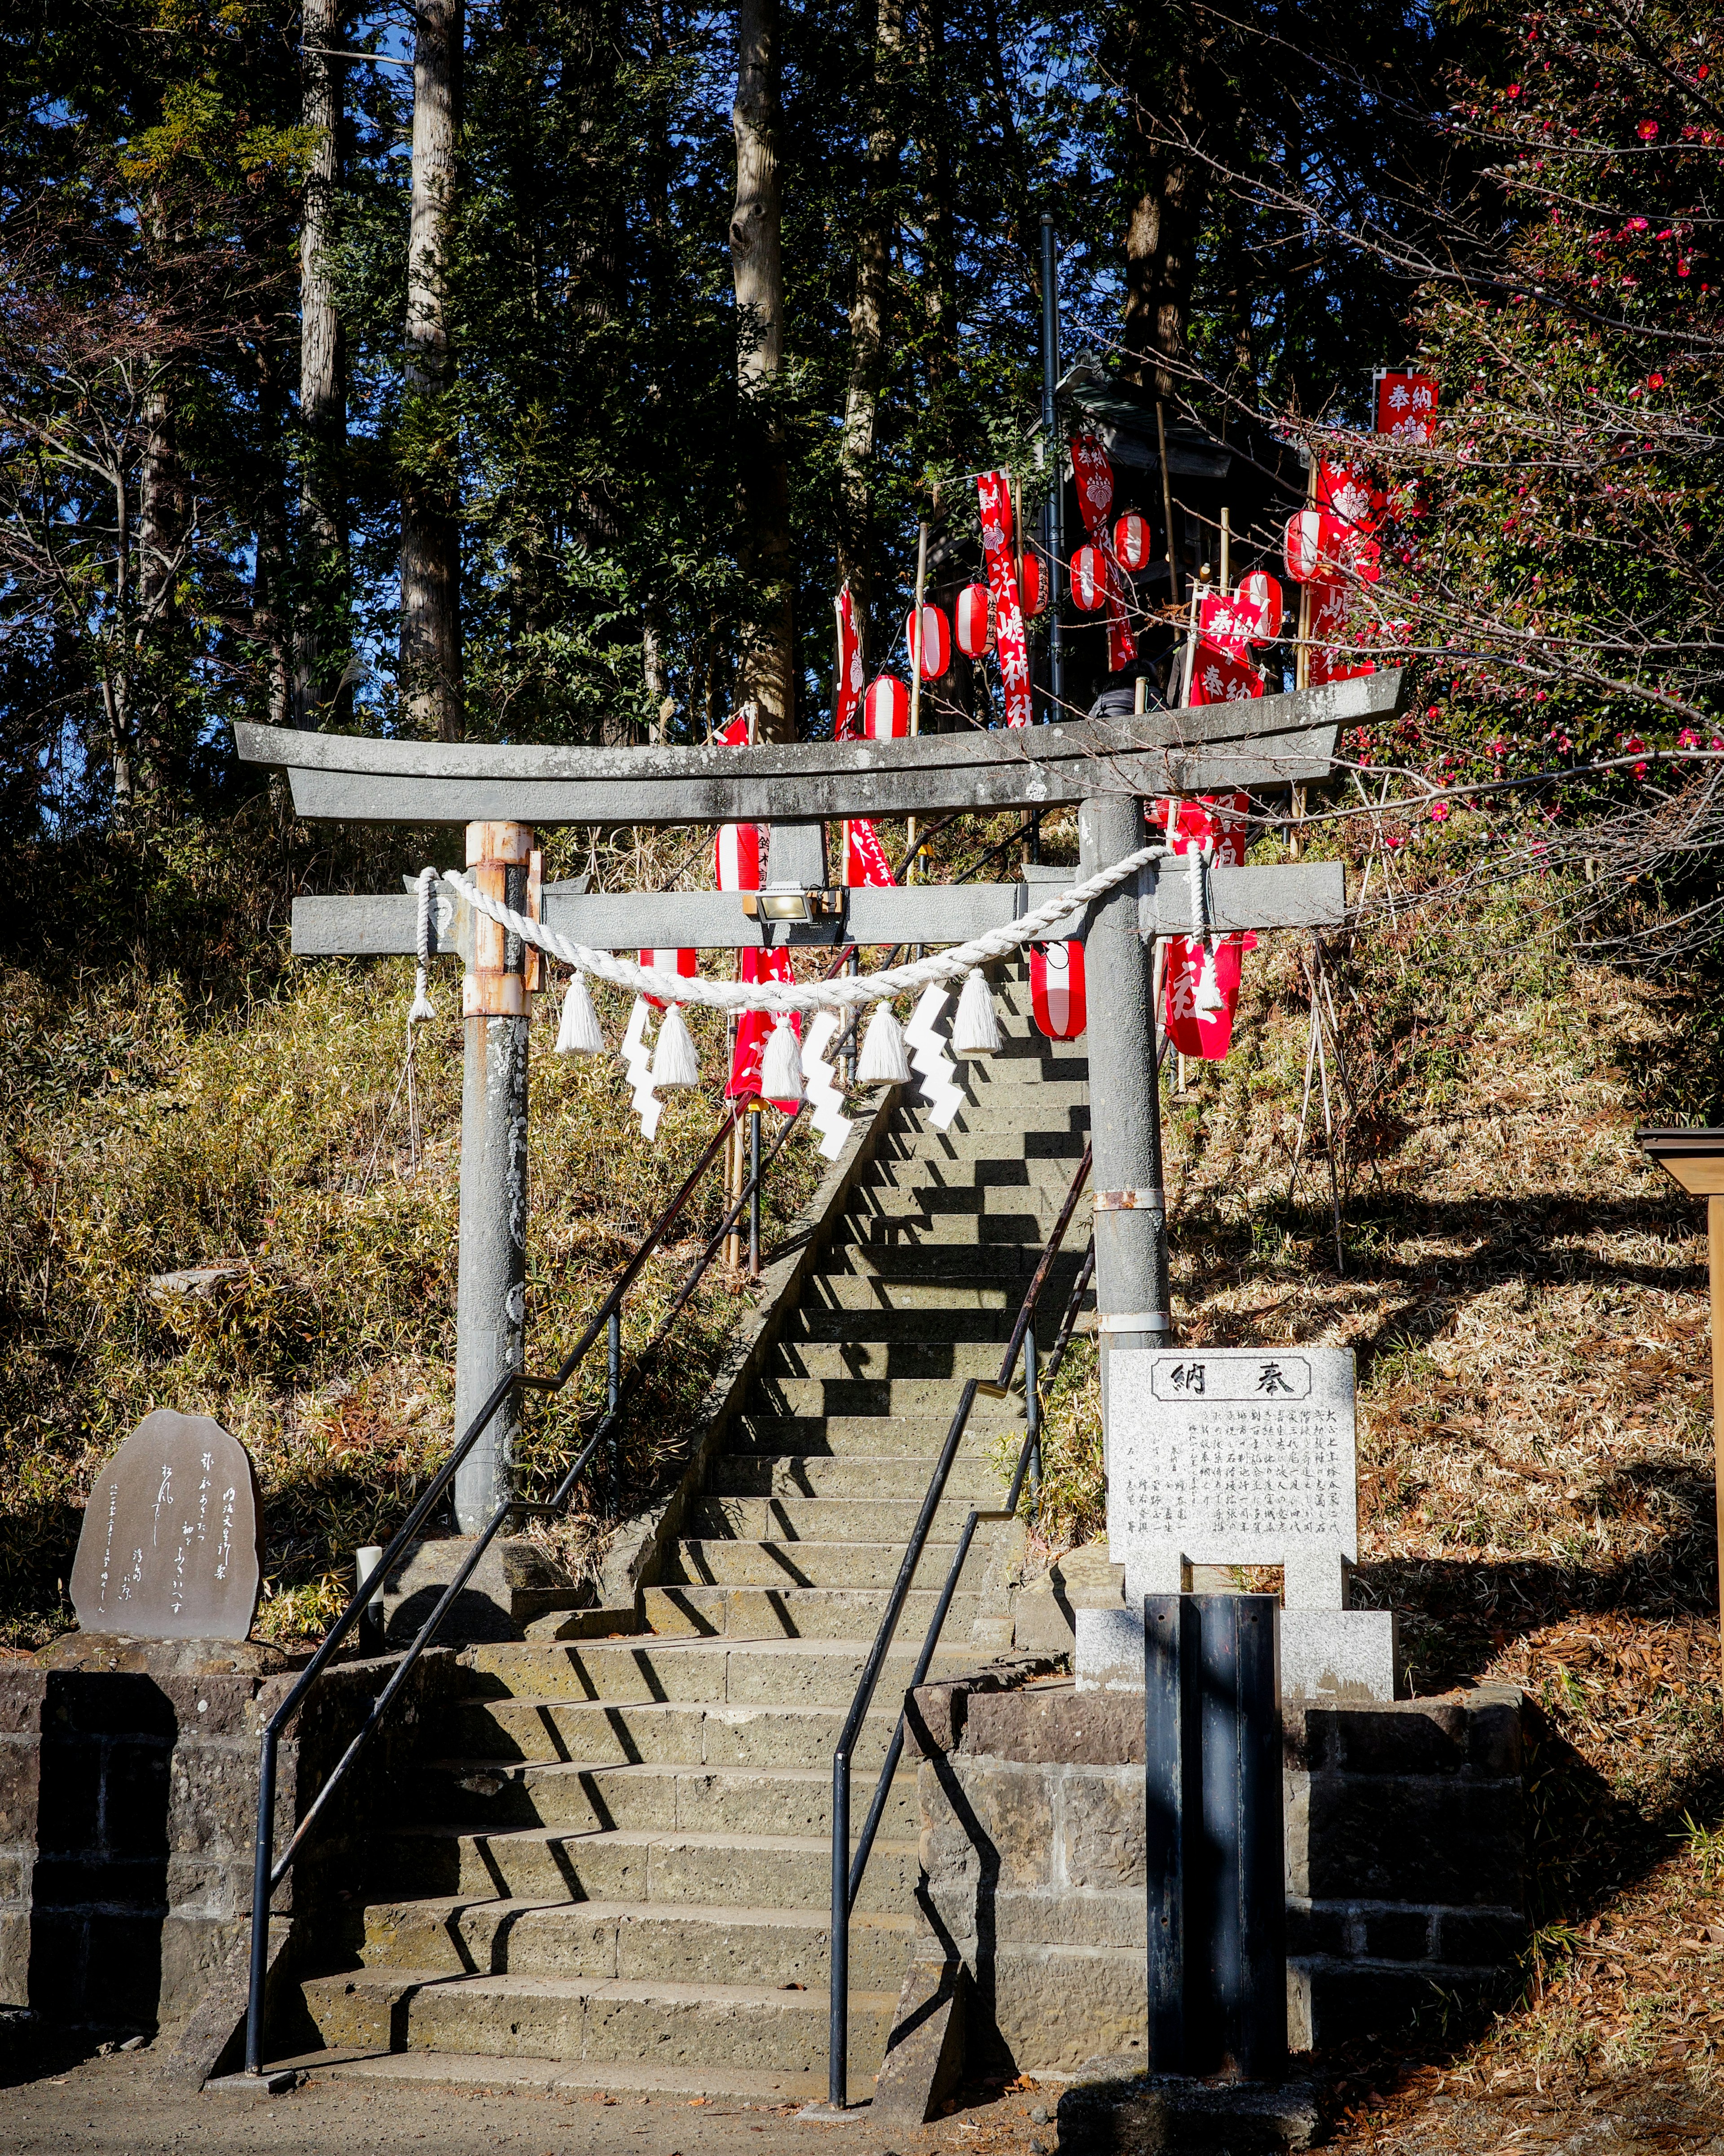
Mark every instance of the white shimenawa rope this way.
pixel 844 992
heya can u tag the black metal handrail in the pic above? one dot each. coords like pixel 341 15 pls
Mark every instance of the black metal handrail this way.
pixel 268 1873
pixel 847 1871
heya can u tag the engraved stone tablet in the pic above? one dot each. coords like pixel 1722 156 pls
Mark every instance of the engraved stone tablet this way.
pixel 171 1548
pixel 1234 1456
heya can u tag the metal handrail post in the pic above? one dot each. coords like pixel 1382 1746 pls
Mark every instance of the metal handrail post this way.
pixel 261 1855
pixel 838 1992
pixel 613 1390
pixel 754 1192
pixel 1032 1418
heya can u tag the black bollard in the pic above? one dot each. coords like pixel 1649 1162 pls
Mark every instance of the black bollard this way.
pixel 1212 1706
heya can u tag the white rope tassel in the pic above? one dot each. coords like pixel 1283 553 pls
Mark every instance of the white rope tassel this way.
pixel 636 1062
pixel 883 1061
pixel 675 1062
pixel 825 1100
pixel 781 1077
pixel 423 1007
pixel 577 1032
pixel 976 1029
pixel 841 993
pixel 927 1051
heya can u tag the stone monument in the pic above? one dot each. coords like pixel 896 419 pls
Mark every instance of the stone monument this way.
pixel 171 1545
pixel 1240 1456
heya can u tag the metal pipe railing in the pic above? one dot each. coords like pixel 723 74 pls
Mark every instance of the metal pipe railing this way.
pixel 267 1872
pixel 847 1871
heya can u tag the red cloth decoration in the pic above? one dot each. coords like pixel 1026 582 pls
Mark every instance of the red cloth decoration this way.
pixel 736 857
pixel 685 963
pixel 1094 475
pixel 1406 407
pixel 1328 630
pixel 1221 677
pixel 848 686
pixel 935 642
pixel 1088 580
pixel 1259 601
pixel 1199 1011
pixel 885 709
pixel 975 631
pixel 1132 540
pixel 754 1029
pixel 993 494
pixel 1056 989
pixel 866 861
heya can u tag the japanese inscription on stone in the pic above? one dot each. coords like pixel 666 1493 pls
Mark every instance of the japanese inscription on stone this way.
pixel 171 1545
pixel 1234 1456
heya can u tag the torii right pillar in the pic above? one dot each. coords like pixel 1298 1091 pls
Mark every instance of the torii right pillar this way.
pixel 1131 1295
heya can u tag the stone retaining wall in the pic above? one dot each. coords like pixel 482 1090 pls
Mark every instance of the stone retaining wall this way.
pixel 1405 1862
pixel 128 1801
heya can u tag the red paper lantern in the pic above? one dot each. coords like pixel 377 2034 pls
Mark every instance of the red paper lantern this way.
pixel 1301 545
pixel 1029 587
pixel 935 641
pixel 1056 989
pixel 685 963
pixel 975 631
pixel 1259 603
pixel 885 709
pixel 1132 539
pixel 736 857
pixel 1088 580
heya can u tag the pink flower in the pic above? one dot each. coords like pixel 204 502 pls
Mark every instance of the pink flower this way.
pixel 1636 223
pixel 1688 738
pixel 1439 812
pixel 1646 130
pixel 1513 89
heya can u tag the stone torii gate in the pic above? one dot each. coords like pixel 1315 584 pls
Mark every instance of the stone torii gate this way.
pixel 501 795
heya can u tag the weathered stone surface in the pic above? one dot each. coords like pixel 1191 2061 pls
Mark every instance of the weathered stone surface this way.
pixel 172 1543
pixel 1341 1655
pixel 1465 1845
pixel 1108 2111
pixel 217 1963
pixel 1101 1829
pixel 107 1653
pixel 1055 1723
pixel 514 1583
pixel 924 2051
pixel 1048 2005
pixel 1434 1741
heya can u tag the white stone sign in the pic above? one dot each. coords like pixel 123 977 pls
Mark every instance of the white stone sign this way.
pixel 1233 1455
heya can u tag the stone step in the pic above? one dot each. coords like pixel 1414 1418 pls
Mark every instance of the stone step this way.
pixel 1010 1265
pixel 808 1613
pixel 857 1475
pixel 672 2024
pixel 804 1568
pixel 769 1673
pixel 627 1864
pixel 830 1292
pixel 980 1202
pixel 998 1115
pixel 869 1321
pixel 886 1359
pixel 678 1734
pixel 500 1796
pixel 980 1170
pixel 631 1942
pixel 881 1437
pixel 826 1524
pixel 913 1227
pixel 563 2078
pixel 937 1398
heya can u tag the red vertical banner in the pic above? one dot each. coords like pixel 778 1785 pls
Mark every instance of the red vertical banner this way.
pixel 1094 475
pixel 754 1028
pixel 993 492
pixel 1406 407
pixel 1203 973
pixel 847 688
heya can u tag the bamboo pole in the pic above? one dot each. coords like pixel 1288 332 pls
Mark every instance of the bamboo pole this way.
pixel 1161 436
pixel 1715 1252
pixel 916 671
pixel 1226 551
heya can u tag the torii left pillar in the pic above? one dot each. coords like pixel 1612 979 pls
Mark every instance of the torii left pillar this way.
pixel 490 1299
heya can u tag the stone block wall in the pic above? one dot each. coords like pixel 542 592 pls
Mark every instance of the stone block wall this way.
pixel 128 1800
pixel 1405 1862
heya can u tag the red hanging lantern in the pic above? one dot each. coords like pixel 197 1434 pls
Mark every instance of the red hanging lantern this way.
pixel 736 857
pixel 1056 989
pixel 935 642
pixel 685 963
pixel 1132 539
pixel 1259 604
pixel 885 709
pixel 975 631
pixel 1301 545
pixel 1088 580
pixel 1029 588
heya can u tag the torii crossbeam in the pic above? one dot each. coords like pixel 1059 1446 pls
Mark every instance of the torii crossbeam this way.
pixel 1108 767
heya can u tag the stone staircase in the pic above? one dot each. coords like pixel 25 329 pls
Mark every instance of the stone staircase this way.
pixel 623 1862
